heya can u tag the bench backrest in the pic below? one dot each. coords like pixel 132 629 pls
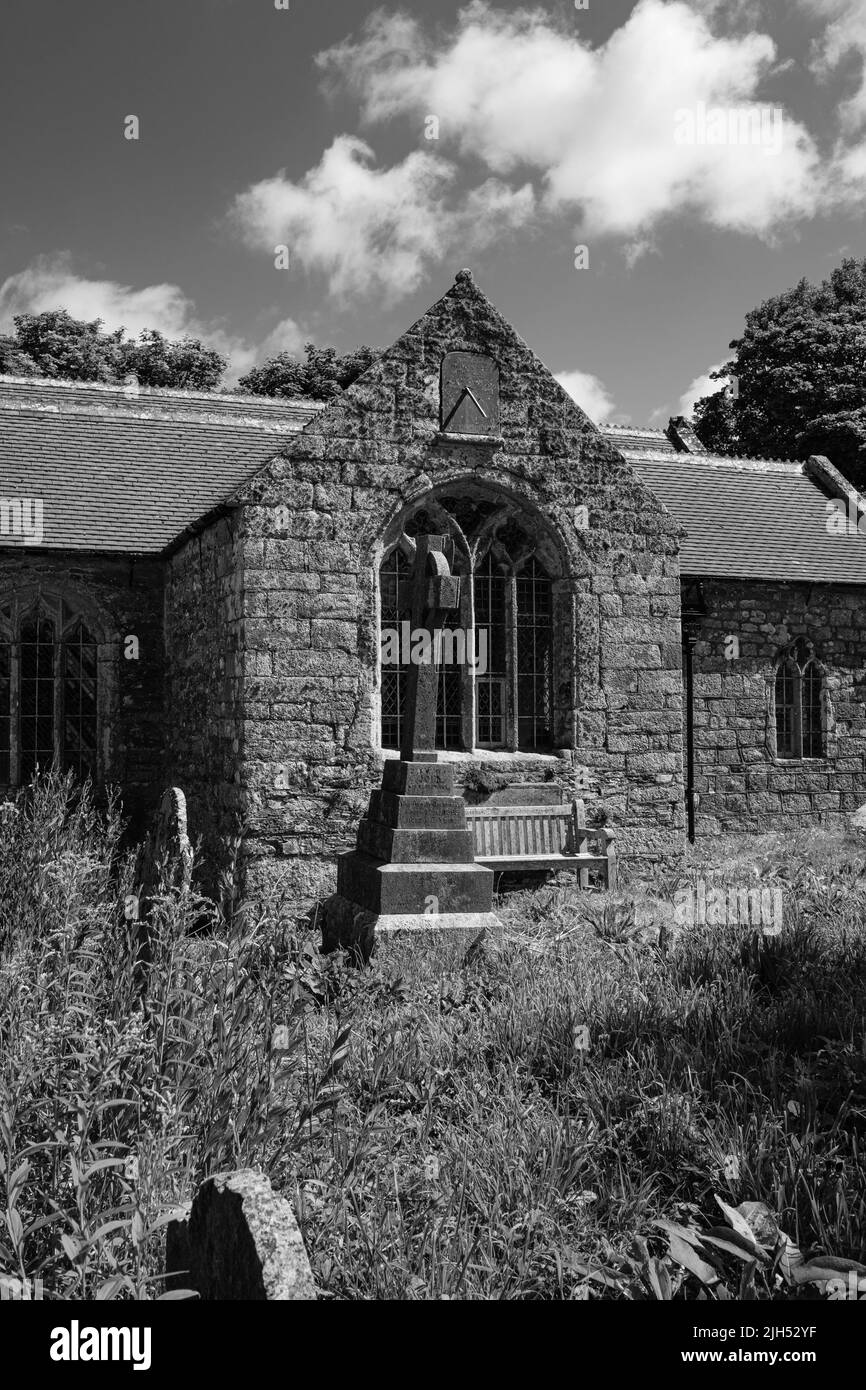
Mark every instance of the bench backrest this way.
pixel 515 831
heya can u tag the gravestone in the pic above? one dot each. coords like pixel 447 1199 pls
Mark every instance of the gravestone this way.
pixel 414 867
pixel 164 862
pixel 238 1241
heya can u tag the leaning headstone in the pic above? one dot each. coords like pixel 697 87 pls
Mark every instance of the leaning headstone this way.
pixel 165 859
pixel 414 865
pixel 163 865
pixel 240 1242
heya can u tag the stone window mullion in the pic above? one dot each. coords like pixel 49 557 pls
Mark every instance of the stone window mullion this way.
pixel 59 715
pixel 15 729
pixel 468 697
pixel 511 655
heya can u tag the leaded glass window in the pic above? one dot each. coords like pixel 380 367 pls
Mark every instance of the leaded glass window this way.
pixel 507 618
pixel 799 705
pixel 49 688
pixel 37 698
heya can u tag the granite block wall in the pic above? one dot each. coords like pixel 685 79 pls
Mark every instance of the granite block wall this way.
pixel 312 531
pixel 740 782
pixel 206 711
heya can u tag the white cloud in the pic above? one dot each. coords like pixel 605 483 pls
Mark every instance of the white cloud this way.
pixel 845 34
pixel 373 230
pixel 702 385
pixel 589 392
pixel 595 125
pixel 50 282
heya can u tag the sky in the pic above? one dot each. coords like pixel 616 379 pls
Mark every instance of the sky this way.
pixel 263 173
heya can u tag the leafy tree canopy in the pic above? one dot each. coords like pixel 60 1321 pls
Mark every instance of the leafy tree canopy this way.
pixel 54 344
pixel 801 377
pixel 321 376
pixel 186 365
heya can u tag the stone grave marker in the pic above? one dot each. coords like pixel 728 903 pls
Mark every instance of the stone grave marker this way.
pixel 164 862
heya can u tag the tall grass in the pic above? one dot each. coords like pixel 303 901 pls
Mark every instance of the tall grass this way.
pixel 125 1078
pixel 508 1122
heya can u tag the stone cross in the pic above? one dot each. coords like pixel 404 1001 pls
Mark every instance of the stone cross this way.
pixel 435 591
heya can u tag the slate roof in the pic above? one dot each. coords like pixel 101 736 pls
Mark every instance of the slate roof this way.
pixel 746 518
pixel 130 472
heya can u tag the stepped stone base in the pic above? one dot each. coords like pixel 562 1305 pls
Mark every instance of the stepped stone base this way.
pixel 414 867
pixel 350 927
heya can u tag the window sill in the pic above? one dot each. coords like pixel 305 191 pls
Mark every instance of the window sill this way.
pixel 493 755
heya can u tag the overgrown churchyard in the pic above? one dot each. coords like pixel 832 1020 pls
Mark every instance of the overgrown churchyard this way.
pixel 280 646
pixel 433 802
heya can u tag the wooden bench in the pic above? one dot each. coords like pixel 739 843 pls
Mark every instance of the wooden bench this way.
pixel 526 838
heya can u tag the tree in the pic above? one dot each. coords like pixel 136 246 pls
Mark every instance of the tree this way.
pixel 14 362
pixel 842 438
pixel 715 421
pixel 62 346
pixel 186 365
pixel 800 366
pixel 321 377
pixel 54 344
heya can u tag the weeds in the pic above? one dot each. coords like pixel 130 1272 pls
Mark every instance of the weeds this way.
pixel 563 1113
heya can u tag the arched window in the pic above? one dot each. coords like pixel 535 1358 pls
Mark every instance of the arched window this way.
pixel 79 702
pixel 799 704
pixel 502 696
pixel 48 691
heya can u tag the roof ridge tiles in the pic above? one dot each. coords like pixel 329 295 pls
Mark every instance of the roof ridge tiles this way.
pixel 286 425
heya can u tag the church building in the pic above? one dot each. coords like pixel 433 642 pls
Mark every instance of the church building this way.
pixel 213 592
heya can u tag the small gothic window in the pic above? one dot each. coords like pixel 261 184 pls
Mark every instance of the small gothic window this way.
pixel 48 693
pixel 799 692
pixel 813 740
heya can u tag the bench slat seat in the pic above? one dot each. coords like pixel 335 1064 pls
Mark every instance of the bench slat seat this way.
pixel 542 861
pixel 542 837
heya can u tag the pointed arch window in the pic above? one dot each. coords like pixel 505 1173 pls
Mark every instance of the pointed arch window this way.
pixel 49 658
pixel 504 698
pixel 799 704
pixel 78 692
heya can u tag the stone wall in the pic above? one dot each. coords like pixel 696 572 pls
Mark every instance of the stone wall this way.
pixel 312 534
pixel 205 714
pixel 120 598
pixel 741 785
